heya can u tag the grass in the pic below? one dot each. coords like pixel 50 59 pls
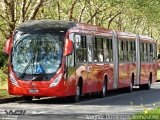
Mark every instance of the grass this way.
pixel 147 115
pixel 3 80
pixel 3 93
pixel 3 85
pixel 158 75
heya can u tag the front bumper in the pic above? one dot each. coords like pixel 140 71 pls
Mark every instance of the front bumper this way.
pixel 44 92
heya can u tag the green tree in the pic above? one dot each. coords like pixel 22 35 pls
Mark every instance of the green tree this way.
pixel 14 12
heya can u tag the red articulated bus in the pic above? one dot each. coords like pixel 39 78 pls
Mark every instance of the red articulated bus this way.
pixel 64 58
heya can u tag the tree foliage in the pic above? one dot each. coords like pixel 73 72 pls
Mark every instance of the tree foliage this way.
pixel 14 12
pixel 138 16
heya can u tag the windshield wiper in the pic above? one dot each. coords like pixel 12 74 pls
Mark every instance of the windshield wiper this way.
pixel 24 71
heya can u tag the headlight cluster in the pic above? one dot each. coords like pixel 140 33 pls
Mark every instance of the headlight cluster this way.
pixel 13 80
pixel 56 81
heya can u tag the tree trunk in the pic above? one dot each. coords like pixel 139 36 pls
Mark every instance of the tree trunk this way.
pixel 111 19
pixel 22 17
pixel 70 12
pixel 58 9
pixel 35 9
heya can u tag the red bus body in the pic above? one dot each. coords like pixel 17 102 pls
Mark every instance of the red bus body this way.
pixel 92 74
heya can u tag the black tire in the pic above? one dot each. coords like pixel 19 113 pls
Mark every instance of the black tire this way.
pixel 103 93
pixel 148 85
pixel 76 97
pixel 145 86
pixel 130 88
pixel 27 98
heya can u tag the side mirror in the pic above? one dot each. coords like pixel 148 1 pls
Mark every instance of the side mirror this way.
pixel 68 47
pixel 8 47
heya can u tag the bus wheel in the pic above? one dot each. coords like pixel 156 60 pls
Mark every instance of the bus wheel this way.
pixel 104 90
pixel 27 98
pixel 148 85
pixel 130 88
pixel 77 96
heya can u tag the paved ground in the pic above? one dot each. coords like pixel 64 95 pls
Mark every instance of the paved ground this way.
pixel 117 102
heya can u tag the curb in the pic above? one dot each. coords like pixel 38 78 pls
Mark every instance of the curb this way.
pixel 13 99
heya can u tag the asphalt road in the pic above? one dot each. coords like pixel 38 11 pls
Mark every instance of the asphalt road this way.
pixel 117 103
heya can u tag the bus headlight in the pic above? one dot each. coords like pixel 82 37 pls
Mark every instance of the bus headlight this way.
pixel 56 81
pixel 13 80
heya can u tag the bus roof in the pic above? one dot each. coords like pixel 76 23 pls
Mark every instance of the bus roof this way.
pixel 35 25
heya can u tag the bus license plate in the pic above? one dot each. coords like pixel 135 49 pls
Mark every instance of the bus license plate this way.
pixel 33 91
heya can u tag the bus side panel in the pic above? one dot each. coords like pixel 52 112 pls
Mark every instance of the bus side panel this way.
pixel 90 76
pixel 125 74
pixel 143 73
pixel 154 72
pixel 82 74
pixel 97 77
pixel 108 71
pixel 103 72
pixel 70 82
pixel 146 69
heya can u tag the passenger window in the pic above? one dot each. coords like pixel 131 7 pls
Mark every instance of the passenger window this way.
pixel 108 53
pixel 151 52
pixel 121 48
pixel 149 49
pixel 126 51
pixel 130 51
pixel 142 51
pixel 81 49
pixel 145 52
pixel 154 52
pixel 98 50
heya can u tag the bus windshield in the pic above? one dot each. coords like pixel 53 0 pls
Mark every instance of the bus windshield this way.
pixel 37 54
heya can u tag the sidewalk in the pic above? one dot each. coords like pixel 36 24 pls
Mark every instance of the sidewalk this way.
pixel 12 99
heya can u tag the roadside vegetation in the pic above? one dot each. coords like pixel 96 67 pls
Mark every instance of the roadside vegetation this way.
pixel 147 115
pixel 3 70
pixel 158 75
pixel 3 83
